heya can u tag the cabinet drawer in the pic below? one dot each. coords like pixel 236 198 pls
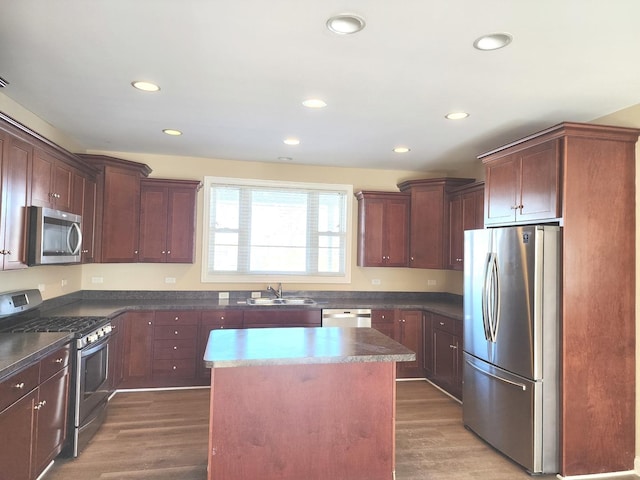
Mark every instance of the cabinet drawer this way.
pixel 18 385
pixel 180 367
pixel 177 331
pixel 54 362
pixel 226 318
pixel 446 324
pixel 170 349
pixel 177 317
pixel 382 316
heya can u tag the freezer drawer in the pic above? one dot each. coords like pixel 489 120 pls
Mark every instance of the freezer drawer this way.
pixel 507 411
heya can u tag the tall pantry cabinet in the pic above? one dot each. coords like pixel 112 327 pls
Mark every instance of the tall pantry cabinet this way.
pixel 583 177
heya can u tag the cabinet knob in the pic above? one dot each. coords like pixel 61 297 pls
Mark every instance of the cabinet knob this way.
pixel 441 323
pixel 175 368
pixel 176 319
pixel 175 332
pixel 168 252
pixel 175 347
pixel 58 360
pixel 19 386
pixel 163 252
pixel 453 347
pixel 149 323
pixel 135 252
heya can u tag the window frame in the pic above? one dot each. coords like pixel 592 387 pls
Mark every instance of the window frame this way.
pixel 207 277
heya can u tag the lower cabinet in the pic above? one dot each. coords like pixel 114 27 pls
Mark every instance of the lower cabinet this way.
pixel 446 347
pixel 285 317
pixel 138 345
pixel 409 334
pixel 213 320
pixel 34 407
pixel 175 335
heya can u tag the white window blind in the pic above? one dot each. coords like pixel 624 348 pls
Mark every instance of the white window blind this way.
pixel 255 230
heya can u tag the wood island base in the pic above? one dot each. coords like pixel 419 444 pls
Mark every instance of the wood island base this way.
pixel 303 422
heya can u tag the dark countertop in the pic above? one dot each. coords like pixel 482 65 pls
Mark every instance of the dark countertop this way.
pixel 18 350
pixel 294 346
pixel 111 308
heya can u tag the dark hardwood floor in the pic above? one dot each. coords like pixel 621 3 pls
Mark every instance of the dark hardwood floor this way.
pixel 162 435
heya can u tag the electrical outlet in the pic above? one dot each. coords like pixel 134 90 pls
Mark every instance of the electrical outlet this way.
pixel 97 280
pixel 375 281
pixel 223 295
pixel 63 283
pixel 169 279
pixel 432 282
pixel 256 294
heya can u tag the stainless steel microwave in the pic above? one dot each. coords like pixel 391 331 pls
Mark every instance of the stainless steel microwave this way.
pixel 54 237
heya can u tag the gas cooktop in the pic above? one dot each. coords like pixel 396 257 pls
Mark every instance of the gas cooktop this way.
pixel 56 324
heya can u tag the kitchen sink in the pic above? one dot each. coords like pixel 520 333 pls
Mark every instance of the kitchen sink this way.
pixel 281 301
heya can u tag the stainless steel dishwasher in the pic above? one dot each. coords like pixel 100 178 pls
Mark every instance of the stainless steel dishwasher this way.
pixel 346 317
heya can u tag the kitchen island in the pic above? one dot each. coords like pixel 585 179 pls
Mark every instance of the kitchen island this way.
pixel 302 403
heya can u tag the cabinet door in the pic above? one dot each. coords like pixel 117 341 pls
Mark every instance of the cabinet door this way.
pixel 384 321
pixel 138 348
pixel 16 170
pixel 284 317
pixel 371 243
pixel 116 352
pixel 88 221
pixel 120 223
pixel 153 224
pixel 15 455
pixel 540 183
pixel 42 194
pixel 427 223
pixel 51 418
pixel 62 183
pixel 456 232
pixel 427 343
pixel 501 190
pixel 396 226
pixel 444 358
pixel 410 335
pixel 181 225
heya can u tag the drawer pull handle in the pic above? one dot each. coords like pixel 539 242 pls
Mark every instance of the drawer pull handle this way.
pixel 19 386
pixel 40 405
pixel 58 360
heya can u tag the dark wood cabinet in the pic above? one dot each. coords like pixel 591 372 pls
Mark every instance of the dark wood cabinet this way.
pixel 466 212
pixel 282 317
pixel 116 351
pixel 84 204
pixel 524 186
pixel 427 344
pixel 167 220
pixel 409 333
pixel 138 349
pixel 447 354
pixel 15 169
pixel 383 219
pixel 583 177
pixel 34 410
pixel 51 181
pixel 117 223
pixel 384 321
pixel 429 222
pixel 213 320
pixel 175 336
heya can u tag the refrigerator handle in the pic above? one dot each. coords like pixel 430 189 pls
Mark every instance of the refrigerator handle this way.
pixel 496 377
pixel 491 298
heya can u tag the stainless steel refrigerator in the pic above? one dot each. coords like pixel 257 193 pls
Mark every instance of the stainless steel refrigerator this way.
pixel 511 334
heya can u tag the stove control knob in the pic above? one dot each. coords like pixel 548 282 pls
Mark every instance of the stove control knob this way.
pixel 100 333
pixel 107 329
pixel 92 338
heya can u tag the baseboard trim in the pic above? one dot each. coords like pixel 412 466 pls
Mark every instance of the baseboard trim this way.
pixel 599 475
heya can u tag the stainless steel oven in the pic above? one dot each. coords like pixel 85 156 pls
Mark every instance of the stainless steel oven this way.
pixel 91 386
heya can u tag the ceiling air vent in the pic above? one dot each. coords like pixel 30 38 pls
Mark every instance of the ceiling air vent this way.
pixel 3 82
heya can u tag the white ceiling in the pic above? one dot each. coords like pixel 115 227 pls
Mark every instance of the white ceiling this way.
pixel 233 74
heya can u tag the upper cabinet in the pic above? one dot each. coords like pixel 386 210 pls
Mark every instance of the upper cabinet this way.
pixel 466 212
pixel 117 209
pixel 15 171
pixel 383 219
pixel 167 220
pixel 51 181
pixel 523 184
pixel 429 219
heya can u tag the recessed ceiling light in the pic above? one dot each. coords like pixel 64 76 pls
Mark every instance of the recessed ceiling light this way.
pixel 402 149
pixel 493 41
pixel 291 141
pixel 345 24
pixel 145 86
pixel 285 159
pixel 457 115
pixel 314 103
pixel 172 132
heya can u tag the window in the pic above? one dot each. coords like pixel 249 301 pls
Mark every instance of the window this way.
pixel 255 230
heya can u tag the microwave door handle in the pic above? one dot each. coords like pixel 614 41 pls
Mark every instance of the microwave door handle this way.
pixel 76 227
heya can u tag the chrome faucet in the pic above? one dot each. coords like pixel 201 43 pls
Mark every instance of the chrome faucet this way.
pixel 278 292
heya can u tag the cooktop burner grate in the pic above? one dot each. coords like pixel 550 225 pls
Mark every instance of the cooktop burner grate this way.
pixel 57 324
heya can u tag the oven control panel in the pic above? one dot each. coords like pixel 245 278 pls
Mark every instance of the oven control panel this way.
pixel 19 301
